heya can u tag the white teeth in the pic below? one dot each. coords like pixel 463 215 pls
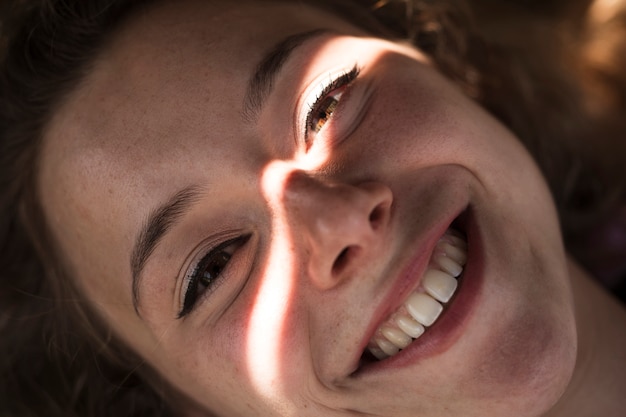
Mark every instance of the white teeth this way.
pixel 424 305
pixel 449 265
pixel 440 285
pixel 409 326
pixel 397 337
pixel 377 352
pixel 453 252
pixel 386 346
pixel 423 308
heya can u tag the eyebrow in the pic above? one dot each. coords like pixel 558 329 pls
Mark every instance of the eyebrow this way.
pixel 157 225
pixel 262 81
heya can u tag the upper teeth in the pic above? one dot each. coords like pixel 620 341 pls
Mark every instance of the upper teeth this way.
pixel 425 304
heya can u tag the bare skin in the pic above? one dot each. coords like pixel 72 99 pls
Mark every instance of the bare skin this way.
pixel 598 384
pixel 322 233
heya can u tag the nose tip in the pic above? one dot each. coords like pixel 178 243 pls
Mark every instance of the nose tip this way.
pixel 343 225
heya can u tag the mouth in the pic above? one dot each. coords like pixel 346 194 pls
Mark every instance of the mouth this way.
pixel 426 303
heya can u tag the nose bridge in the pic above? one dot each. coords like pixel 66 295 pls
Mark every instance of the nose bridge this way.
pixel 314 200
pixel 326 206
pixel 341 224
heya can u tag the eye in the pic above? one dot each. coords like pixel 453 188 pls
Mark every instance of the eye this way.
pixel 323 107
pixel 208 273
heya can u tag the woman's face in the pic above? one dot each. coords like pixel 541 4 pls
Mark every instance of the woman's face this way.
pixel 254 198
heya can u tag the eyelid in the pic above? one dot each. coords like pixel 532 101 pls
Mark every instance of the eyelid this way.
pixel 313 93
pixel 198 256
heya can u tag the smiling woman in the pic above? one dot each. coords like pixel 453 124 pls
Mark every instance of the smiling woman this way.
pixel 272 208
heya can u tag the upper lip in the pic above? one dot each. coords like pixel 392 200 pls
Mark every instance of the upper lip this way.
pixel 404 279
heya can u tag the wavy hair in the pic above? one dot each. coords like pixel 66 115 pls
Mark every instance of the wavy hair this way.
pixel 57 358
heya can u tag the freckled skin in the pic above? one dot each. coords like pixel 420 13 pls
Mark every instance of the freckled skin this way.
pixel 162 110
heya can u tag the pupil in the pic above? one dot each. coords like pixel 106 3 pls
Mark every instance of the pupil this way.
pixel 329 106
pixel 214 269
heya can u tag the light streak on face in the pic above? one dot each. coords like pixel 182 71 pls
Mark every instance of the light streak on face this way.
pixel 270 310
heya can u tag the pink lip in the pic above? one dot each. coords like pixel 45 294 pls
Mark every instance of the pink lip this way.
pixel 450 325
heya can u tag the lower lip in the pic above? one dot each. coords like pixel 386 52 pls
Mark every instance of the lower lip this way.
pixel 449 328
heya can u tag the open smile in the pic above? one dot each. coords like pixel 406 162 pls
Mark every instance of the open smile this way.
pixel 430 317
pixel 425 304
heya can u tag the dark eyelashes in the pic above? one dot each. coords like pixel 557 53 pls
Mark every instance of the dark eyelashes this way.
pixel 209 272
pixel 316 109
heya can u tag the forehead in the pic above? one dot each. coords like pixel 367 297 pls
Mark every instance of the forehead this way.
pixel 192 53
pixel 176 70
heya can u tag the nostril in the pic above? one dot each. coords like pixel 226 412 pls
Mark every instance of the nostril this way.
pixel 376 216
pixel 342 260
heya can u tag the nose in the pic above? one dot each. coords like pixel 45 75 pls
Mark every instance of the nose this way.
pixel 341 226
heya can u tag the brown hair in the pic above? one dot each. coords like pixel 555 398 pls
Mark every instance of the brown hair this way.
pixel 557 78
pixel 58 359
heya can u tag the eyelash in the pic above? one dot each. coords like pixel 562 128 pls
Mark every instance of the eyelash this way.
pixel 219 257
pixel 325 103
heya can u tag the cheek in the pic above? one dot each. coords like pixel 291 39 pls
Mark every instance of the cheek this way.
pixel 523 355
pixel 252 354
pixel 276 345
pixel 210 367
pixel 527 358
pixel 404 131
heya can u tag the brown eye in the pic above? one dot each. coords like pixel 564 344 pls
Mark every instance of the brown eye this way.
pixel 325 110
pixel 214 267
pixel 326 103
pixel 209 272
